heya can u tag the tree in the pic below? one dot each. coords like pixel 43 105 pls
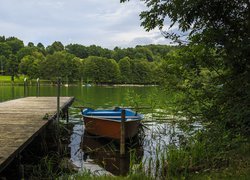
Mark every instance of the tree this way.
pixel 78 50
pixel 55 47
pixel 12 66
pixel 2 38
pixel 125 69
pixel 141 72
pixel 15 44
pixel 60 64
pixel 74 68
pixel 161 51
pixel 101 70
pixel 155 68
pixel 221 26
pixel 5 49
pixel 214 23
pixel 118 54
pixel 143 53
pixel 31 44
pixel 112 71
pixel 3 61
pixel 41 48
pixel 27 50
pixel 8 50
pixel 30 65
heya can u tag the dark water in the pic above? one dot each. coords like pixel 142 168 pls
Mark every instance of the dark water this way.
pixel 101 155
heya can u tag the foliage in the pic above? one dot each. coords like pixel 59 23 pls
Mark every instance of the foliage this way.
pixel 8 53
pixel 141 72
pixel 147 52
pixel 210 71
pixel 78 50
pixel 72 62
pixel 3 62
pixel 12 66
pixel 218 26
pixel 5 49
pixel 60 64
pixel 41 48
pixel 15 44
pixel 54 47
pixel 25 51
pixel 143 53
pixel 99 70
pixel 30 65
pixel 125 69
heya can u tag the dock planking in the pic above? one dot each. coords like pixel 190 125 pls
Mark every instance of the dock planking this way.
pixel 21 120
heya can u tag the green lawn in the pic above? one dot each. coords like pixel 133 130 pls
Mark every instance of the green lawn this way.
pixel 5 78
pixel 8 79
pixel 20 80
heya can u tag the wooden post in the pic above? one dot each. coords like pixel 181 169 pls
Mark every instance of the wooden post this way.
pixel 58 98
pixel 123 163
pixel 20 167
pixel 25 86
pixel 67 115
pixel 122 140
pixel 37 87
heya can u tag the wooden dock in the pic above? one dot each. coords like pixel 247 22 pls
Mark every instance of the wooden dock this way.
pixel 21 120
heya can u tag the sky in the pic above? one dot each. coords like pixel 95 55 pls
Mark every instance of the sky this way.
pixel 106 23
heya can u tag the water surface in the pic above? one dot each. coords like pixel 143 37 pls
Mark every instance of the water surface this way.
pixel 102 155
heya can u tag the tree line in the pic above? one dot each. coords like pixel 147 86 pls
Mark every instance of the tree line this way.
pixel 75 62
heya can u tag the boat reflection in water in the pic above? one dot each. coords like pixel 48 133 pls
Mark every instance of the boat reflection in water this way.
pixel 105 153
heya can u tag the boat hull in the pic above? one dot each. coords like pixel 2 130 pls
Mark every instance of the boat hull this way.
pixel 110 128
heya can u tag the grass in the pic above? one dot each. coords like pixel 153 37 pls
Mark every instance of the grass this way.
pixel 238 170
pixel 7 79
pixel 238 165
pixel 181 163
pixel 227 174
pixel 198 160
pixel 20 80
pixel 87 175
pixel 194 160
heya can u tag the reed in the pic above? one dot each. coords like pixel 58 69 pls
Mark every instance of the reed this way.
pixel 53 161
pixel 186 155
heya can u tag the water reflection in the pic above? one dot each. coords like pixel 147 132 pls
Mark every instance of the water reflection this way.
pixel 101 155
pixel 94 96
pixel 76 154
pixel 105 152
pixel 12 92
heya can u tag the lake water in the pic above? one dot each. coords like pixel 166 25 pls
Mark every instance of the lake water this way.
pixel 94 96
pixel 101 155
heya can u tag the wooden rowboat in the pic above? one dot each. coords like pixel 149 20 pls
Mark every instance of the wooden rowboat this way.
pixel 107 123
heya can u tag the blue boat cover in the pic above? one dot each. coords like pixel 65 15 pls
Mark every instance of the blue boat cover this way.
pixel 114 114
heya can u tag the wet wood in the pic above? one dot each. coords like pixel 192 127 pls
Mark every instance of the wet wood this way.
pixel 122 139
pixel 21 120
